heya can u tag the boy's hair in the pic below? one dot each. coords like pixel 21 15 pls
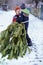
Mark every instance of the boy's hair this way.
pixel 16 8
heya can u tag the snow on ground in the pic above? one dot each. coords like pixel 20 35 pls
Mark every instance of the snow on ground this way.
pixel 35 32
pixel 5 19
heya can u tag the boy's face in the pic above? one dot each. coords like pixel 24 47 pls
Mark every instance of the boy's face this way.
pixel 18 12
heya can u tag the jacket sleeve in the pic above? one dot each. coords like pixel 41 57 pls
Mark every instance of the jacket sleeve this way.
pixel 14 19
pixel 25 18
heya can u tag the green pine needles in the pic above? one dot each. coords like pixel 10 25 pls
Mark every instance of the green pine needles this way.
pixel 13 41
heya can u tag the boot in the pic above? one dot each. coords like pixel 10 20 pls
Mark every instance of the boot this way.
pixel 29 40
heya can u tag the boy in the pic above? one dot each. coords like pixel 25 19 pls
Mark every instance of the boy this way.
pixel 17 18
pixel 22 17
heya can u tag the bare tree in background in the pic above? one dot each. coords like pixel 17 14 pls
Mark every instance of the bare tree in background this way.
pixel 36 1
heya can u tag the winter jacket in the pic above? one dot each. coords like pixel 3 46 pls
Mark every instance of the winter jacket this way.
pixel 20 18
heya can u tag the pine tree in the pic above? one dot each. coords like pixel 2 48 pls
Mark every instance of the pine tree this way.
pixel 13 41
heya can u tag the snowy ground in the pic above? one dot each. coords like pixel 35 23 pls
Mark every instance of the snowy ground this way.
pixel 35 32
